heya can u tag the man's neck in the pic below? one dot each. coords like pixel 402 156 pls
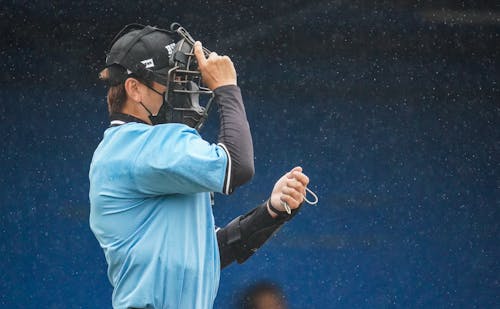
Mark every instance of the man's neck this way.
pixel 135 109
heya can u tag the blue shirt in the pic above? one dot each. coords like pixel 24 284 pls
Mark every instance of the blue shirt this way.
pixel 151 212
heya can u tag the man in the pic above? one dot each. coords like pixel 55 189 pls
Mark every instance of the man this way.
pixel 151 178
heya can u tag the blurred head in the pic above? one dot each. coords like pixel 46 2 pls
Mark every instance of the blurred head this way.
pixel 263 295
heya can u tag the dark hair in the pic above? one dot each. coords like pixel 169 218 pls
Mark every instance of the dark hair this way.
pixel 117 96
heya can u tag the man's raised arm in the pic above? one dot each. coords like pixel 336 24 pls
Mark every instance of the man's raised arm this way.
pixel 219 75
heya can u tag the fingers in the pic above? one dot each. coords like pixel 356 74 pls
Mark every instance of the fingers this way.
pixel 290 189
pixel 293 203
pixel 295 169
pixel 296 185
pixel 216 71
pixel 295 194
pixel 200 56
pixel 301 177
pixel 296 173
pixel 295 189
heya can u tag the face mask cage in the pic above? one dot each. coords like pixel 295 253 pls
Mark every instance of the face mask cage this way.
pixel 186 100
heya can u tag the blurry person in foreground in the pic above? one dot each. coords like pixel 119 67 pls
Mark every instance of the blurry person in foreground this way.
pixel 263 295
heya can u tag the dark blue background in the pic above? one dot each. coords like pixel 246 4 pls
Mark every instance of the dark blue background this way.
pixel 391 108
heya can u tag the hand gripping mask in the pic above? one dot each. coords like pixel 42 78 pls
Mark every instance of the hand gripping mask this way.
pixel 182 99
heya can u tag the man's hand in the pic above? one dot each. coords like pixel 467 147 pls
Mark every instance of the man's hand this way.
pixel 216 71
pixel 290 189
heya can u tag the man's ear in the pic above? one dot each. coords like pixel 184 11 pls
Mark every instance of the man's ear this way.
pixel 132 87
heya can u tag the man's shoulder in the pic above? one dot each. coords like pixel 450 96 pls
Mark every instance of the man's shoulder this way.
pixel 179 128
pixel 138 137
pixel 141 128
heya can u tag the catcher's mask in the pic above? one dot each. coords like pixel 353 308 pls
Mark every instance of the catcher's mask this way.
pixel 166 57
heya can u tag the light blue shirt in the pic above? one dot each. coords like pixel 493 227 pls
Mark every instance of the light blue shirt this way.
pixel 151 212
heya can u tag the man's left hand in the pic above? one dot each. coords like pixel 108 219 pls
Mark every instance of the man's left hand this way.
pixel 289 189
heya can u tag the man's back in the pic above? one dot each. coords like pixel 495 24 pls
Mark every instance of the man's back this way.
pixel 151 212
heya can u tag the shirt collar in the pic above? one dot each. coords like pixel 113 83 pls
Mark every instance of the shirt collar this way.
pixel 117 119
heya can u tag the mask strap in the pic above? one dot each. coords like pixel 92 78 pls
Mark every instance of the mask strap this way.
pixel 314 196
pixel 289 210
pixel 162 94
pixel 147 109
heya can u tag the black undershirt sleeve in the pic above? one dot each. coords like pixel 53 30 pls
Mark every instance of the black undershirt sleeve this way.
pixel 245 234
pixel 234 137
